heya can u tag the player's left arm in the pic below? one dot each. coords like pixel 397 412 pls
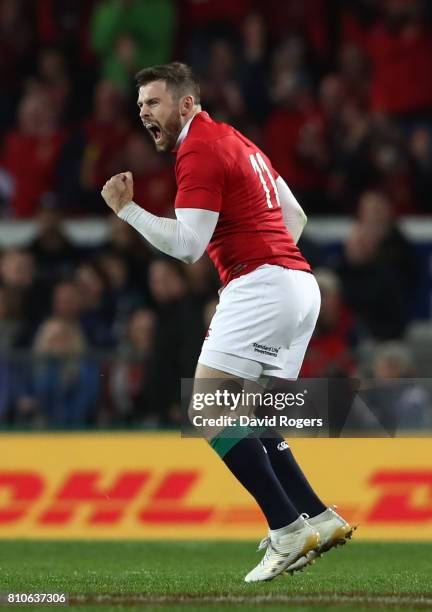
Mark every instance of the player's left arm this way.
pixel 293 214
pixel 185 238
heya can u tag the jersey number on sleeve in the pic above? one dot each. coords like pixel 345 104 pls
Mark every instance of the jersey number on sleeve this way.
pixel 259 165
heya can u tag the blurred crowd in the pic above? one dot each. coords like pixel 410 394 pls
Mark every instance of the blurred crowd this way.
pixel 337 93
pixel 102 336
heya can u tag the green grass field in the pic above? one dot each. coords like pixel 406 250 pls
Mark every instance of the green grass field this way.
pixel 201 576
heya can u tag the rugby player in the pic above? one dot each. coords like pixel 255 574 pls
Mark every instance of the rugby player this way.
pixel 231 202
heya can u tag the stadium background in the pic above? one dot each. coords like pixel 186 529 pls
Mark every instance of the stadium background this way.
pixel 96 330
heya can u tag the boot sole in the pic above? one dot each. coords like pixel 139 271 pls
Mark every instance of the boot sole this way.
pixel 341 536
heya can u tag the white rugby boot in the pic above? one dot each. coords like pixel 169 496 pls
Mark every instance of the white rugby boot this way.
pixel 333 530
pixel 283 547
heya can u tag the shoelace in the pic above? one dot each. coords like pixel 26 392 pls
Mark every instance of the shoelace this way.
pixel 267 554
pixel 267 541
pixel 264 543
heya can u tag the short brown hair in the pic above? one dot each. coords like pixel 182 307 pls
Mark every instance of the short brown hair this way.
pixel 179 78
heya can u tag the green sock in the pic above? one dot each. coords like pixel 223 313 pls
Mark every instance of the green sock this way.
pixel 225 440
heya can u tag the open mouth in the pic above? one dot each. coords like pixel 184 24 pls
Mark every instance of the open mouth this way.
pixel 155 131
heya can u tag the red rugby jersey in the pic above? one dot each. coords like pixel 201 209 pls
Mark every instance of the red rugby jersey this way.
pixel 218 169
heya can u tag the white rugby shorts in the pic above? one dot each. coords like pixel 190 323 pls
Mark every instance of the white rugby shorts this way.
pixel 263 324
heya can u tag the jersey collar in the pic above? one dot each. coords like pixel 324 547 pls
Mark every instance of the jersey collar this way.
pixel 185 131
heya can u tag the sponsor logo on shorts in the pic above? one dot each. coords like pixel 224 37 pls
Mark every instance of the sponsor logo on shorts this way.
pixel 282 446
pixel 273 351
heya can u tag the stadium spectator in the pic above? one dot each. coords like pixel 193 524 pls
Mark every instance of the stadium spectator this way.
pixel 354 73
pixel 17 407
pixel 64 382
pixel 11 325
pixel 125 37
pixel 400 48
pixel 6 400
pixel 178 336
pixel 293 135
pixel 126 243
pixel 408 401
pixel 96 308
pixel 93 152
pixel 368 153
pixel 63 26
pixel 54 253
pixel 127 374
pixel 377 269
pixel 10 320
pixel 52 73
pixel 219 84
pixel 253 68
pixel 420 150
pixel 330 351
pixel 94 320
pixel 206 13
pixel 61 22
pixel 31 151
pixel 331 97
pixel 375 213
pixel 395 402
pixel 16 48
pixel 312 20
pixel 67 302
pixel 207 20
pixel 348 139
pixel 123 294
pixel 26 295
pixel 388 168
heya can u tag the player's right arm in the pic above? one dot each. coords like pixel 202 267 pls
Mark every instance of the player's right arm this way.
pixel 293 214
pixel 200 183
pixel 185 238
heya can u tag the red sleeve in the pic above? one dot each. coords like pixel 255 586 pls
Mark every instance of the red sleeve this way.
pixel 200 178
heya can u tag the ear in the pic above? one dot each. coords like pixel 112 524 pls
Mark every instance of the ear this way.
pixel 186 105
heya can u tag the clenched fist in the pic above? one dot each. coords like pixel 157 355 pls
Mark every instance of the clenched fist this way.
pixel 118 191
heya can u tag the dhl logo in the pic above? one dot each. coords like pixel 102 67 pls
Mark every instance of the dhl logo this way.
pixel 401 497
pixel 108 505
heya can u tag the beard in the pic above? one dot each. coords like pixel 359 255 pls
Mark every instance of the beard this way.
pixel 169 133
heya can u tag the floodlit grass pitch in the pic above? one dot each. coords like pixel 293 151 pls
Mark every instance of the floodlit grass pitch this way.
pixel 209 575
